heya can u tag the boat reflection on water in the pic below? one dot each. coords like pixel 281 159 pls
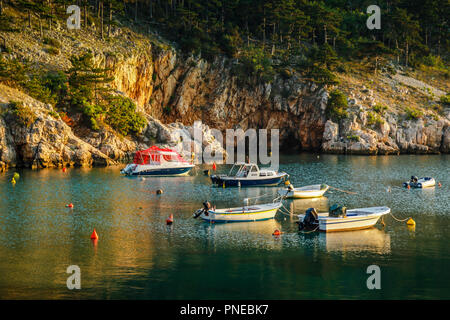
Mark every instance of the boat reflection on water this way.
pixel 369 240
pixel 299 206
pixel 255 234
pixel 256 227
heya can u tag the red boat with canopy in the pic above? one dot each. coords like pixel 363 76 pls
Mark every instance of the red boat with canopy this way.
pixel 157 161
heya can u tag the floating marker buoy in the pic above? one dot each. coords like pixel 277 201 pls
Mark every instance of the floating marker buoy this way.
pixel 94 235
pixel 276 232
pixel 411 222
pixel 13 181
pixel 409 187
pixel 287 182
pixel 214 166
pixel 16 176
pixel 223 185
pixel 70 205
pixel 169 220
pixel 439 184
pixel 159 191
pixel 64 169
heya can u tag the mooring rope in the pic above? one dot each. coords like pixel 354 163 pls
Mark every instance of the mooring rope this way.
pixel 399 220
pixel 349 192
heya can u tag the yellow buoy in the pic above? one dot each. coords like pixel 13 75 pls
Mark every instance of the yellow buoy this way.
pixel 13 181
pixel 223 185
pixel 286 183
pixel 411 222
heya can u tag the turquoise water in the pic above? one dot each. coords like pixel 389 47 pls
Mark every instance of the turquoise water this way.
pixel 139 257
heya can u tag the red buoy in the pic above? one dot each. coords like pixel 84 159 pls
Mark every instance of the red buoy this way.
pixel 276 232
pixel 439 184
pixel 409 187
pixel 64 169
pixel 94 235
pixel 169 220
pixel 70 205
pixel 214 166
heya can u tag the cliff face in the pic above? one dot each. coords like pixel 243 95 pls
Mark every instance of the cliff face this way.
pixel 176 89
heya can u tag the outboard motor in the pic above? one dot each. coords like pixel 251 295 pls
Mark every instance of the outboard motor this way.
pixel 206 207
pixel 310 220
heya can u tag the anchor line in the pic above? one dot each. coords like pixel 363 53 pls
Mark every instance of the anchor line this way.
pixel 399 220
pixel 349 192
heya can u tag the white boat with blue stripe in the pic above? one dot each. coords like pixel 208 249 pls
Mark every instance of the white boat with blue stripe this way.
pixel 240 214
pixel 157 162
pixel 354 219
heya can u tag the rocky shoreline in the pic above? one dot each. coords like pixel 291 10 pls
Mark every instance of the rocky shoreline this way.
pixel 173 92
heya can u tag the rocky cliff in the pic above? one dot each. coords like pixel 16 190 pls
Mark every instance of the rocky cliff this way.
pixel 171 88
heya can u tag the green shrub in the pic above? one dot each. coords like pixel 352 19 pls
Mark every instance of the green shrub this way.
pixel 445 99
pixel 22 113
pixel 122 116
pixel 353 138
pixel 380 109
pixel 53 51
pixel 413 113
pixel 433 61
pixel 52 42
pixel 337 105
pixel 374 119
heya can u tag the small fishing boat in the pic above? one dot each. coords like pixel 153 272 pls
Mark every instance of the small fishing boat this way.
pixel 354 219
pixel 424 182
pixel 312 191
pixel 157 162
pixel 240 214
pixel 249 174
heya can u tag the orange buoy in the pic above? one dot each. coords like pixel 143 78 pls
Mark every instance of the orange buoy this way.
pixel 70 205
pixel 409 187
pixel 277 233
pixel 169 220
pixel 214 166
pixel 439 184
pixel 94 235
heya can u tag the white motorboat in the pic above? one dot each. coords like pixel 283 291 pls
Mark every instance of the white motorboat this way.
pixel 354 219
pixel 240 214
pixel 312 191
pixel 157 162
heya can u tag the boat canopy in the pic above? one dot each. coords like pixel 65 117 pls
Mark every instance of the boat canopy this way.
pixel 157 155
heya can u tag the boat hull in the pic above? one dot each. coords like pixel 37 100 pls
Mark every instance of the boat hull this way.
pixel 243 214
pixel 352 222
pixel 303 194
pixel 174 171
pixel 247 182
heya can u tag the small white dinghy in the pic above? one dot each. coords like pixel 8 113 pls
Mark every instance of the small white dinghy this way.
pixel 241 214
pixel 354 219
pixel 312 191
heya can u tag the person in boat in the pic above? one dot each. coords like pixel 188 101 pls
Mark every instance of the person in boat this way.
pixel 414 179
